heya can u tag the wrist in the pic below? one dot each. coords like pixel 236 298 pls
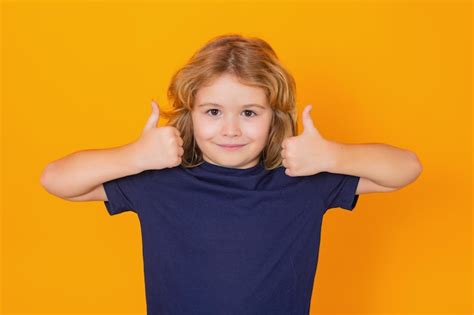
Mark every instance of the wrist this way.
pixel 335 156
pixel 130 154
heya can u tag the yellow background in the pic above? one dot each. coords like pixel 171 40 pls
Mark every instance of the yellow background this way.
pixel 80 75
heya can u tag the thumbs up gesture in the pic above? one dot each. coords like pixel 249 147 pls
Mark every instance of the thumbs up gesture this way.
pixel 158 147
pixel 306 154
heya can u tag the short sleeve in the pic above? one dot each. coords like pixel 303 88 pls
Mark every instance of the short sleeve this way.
pixel 339 190
pixel 124 193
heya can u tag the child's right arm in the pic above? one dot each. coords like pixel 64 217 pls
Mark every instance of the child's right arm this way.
pixel 79 176
pixel 84 172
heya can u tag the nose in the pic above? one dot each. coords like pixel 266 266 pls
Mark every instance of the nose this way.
pixel 231 127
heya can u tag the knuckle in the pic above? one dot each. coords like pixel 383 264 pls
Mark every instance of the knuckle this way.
pixel 171 129
pixel 176 130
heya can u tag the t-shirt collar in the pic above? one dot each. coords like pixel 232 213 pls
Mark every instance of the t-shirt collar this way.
pixel 232 171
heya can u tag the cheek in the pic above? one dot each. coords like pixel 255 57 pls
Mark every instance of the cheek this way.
pixel 256 132
pixel 204 130
pixel 259 131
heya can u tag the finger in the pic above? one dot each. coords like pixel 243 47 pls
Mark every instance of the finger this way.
pixel 154 117
pixel 308 125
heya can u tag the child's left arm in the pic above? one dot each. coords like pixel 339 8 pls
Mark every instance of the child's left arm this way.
pixel 381 167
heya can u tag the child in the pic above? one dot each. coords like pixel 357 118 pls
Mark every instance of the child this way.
pixel 230 200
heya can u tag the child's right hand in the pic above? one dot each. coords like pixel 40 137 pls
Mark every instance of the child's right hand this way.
pixel 157 147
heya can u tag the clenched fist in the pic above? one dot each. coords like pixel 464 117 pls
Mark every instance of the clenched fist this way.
pixel 158 147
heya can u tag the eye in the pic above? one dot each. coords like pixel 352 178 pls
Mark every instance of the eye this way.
pixel 250 111
pixel 213 110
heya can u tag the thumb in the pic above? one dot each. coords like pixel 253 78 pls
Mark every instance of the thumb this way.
pixel 308 125
pixel 154 117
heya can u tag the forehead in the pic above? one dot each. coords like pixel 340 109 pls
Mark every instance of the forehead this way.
pixel 227 90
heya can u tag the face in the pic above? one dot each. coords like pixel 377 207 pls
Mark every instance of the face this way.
pixel 227 112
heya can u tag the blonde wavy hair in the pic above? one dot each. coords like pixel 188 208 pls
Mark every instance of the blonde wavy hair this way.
pixel 254 63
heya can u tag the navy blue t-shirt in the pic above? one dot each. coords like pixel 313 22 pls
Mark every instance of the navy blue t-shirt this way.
pixel 219 240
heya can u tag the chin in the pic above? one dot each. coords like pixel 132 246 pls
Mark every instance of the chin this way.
pixel 229 162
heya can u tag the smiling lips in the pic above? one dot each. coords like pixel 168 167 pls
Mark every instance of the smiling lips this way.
pixel 231 146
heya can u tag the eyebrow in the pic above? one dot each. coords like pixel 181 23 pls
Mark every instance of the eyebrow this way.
pixel 247 105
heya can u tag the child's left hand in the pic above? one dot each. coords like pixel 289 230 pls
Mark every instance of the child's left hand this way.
pixel 309 153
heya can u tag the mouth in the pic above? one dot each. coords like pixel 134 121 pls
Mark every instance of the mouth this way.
pixel 231 146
